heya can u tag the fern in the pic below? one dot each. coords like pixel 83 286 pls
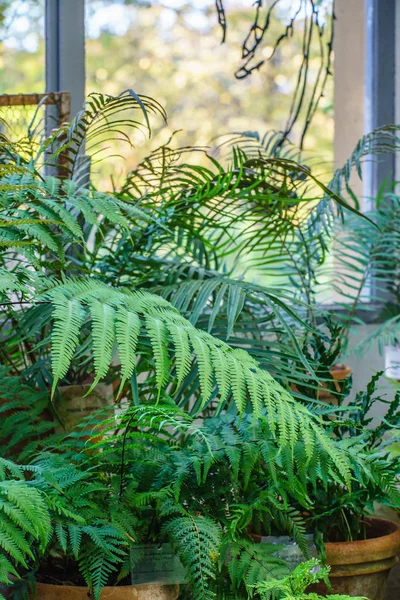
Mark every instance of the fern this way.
pixel 157 333
pixel 24 519
pixel 68 320
pixel 127 328
pixel 294 586
pixel 251 563
pixel 234 371
pixel 103 332
pixel 168 213
pixel 197 541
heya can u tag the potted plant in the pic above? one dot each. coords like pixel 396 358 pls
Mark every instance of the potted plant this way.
pixel 360 547
pixel 155 233
pixel 92 527
pixel 79 231
pixel 159 478
pixel 247 485
pixel 162 355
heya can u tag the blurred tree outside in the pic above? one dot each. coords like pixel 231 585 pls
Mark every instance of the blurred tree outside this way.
pixel 171 50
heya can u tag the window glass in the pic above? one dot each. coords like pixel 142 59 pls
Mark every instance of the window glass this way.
pixel 22 59
pixel 171 50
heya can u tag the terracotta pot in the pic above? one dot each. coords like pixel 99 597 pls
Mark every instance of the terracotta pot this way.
pixel 74 405
pixel 338 373
pixel 362 568
pixel 47 591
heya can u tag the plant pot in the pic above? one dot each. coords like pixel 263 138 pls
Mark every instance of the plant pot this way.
pixel 338 373
pixel 74 405
pixel 47 591
pixel 362 568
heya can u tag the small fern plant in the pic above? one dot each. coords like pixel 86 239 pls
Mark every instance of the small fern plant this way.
pixel 206 493
pixel 294 586
pixel 339 512
pixel 91 529
pixel 90 519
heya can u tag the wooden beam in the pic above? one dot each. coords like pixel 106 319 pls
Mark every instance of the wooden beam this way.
pixel 62 99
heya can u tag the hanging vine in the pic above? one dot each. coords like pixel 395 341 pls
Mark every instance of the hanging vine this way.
pixel 316 18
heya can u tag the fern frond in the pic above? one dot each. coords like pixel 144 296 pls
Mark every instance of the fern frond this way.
pixel 24 517
pixel 103 332
pixel 67 322
pixel 236 373
pixel 157 333
pixel 127 327
pixel 196 540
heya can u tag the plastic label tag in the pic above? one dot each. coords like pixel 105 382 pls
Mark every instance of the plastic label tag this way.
pixel 156 564
pixel 289 551
pixel 392 362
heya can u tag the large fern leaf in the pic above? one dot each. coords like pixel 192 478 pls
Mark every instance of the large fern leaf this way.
pixel 196 541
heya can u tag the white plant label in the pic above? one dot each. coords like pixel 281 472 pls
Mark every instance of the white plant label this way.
pixel 392 362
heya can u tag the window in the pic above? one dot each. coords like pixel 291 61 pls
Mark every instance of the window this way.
pixel 22 58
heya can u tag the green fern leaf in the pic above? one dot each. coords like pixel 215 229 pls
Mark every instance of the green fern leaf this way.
pixel 68 319
pixel 180 339
pixel 103 338
pixel 75 536
pixel 196 540
pixel 222 372
pixel 127 326
pixel 157 332
pixel 201 347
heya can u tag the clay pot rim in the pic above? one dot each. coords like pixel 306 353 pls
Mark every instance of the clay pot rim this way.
pixel 369 550
pixel 106 587
pixel 340 372
pixel 116 592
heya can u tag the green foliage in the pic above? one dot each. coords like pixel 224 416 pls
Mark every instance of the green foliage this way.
pixel 24 521
pixel 198 540
pixel 46 213
pixel 374 254
pixel 92 226
pixel 26 418
pixel 151 474
pixel 251 563
pixel 294 586
pixel 234 371
pixel 83 298
pixel 189 232
pixel 83 525
pixel 339 512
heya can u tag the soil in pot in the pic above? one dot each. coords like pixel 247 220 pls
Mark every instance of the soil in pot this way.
pixel 362 568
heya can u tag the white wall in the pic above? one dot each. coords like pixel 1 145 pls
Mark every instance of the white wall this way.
pixel 366 364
